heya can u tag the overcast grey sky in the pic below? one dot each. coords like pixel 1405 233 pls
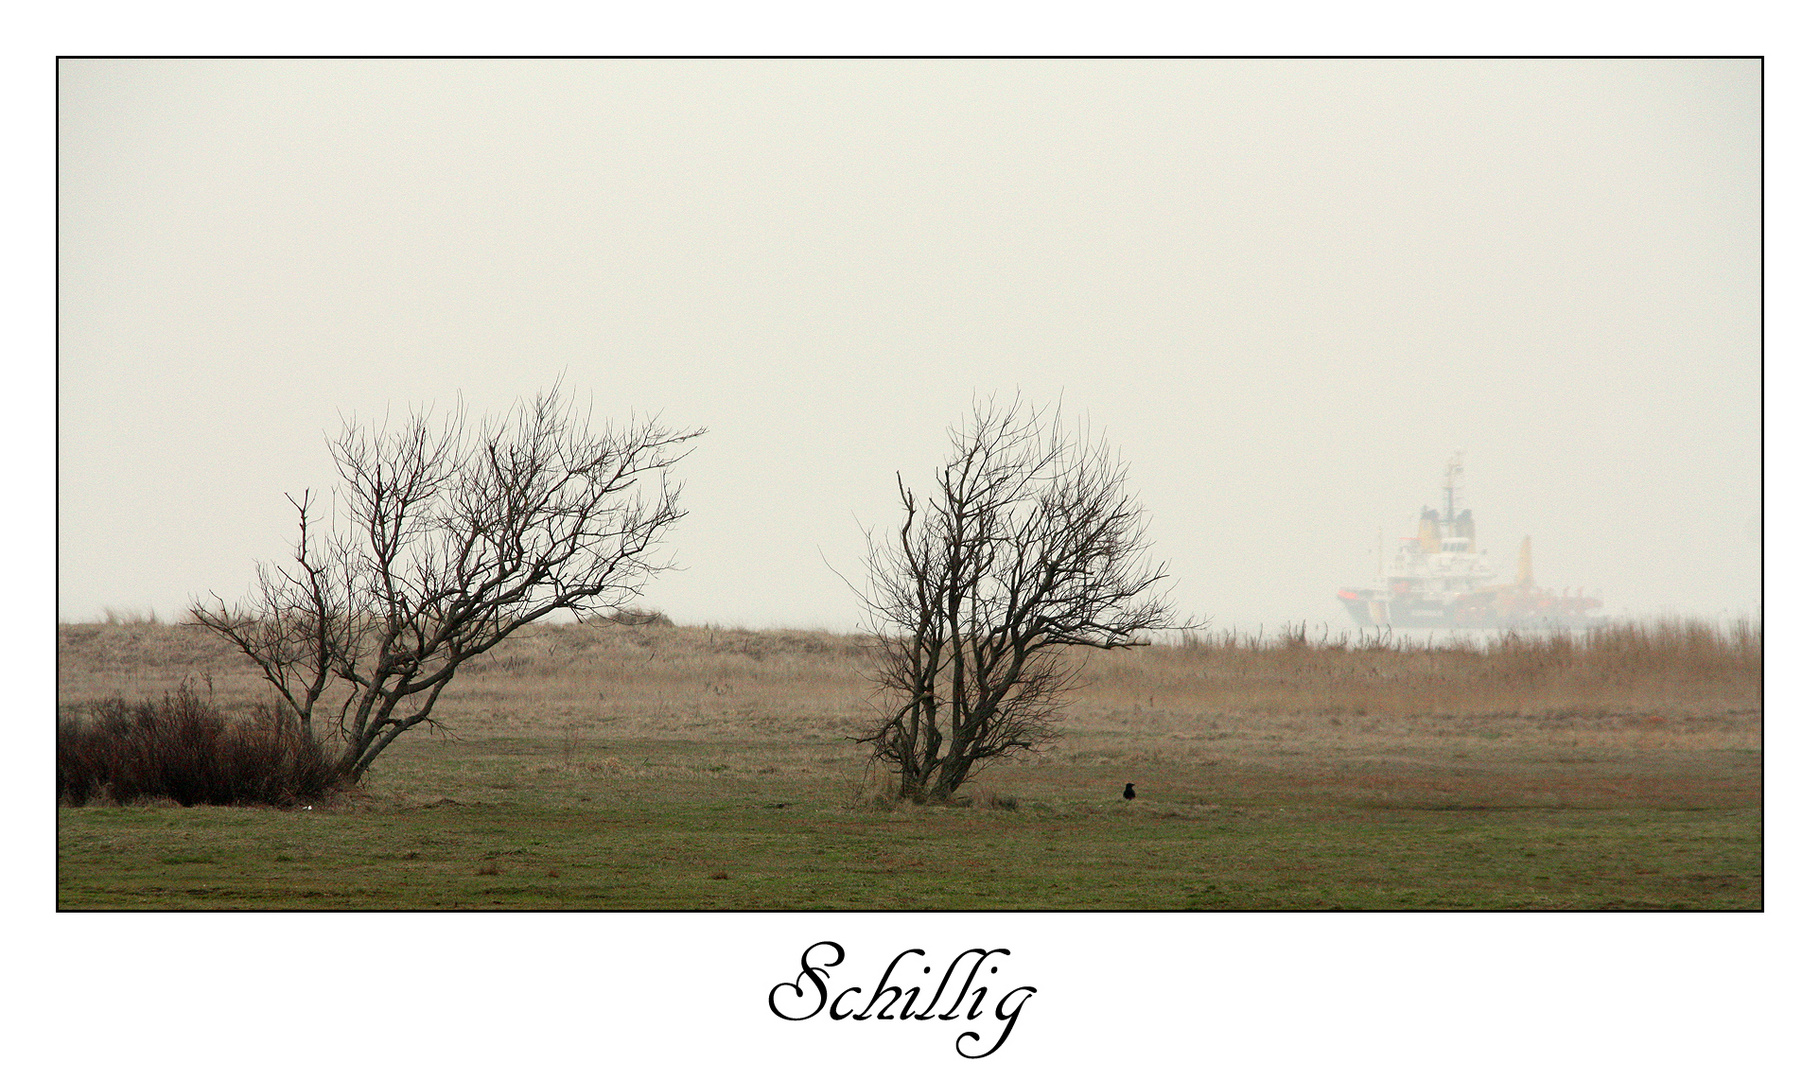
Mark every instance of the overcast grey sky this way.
pixel 1285 290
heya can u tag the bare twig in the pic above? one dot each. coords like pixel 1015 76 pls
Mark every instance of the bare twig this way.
pixel 1030 544
pixel 454 535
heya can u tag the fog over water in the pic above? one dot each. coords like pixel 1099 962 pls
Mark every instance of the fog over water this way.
pixel 1285 290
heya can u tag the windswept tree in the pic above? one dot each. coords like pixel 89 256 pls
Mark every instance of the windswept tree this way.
pixel 447 536
pixel 1029 547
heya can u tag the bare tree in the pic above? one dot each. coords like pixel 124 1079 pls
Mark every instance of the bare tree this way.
pixel 447 538
pixel 1030 545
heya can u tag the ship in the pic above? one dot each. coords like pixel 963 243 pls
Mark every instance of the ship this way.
pixel 1439 579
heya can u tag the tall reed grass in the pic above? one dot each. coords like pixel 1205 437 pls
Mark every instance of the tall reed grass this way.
pixel 1658 664
pixel 717 682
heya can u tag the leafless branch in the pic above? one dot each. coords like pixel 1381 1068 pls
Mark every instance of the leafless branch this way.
pixel 452 535
pixel 1030 544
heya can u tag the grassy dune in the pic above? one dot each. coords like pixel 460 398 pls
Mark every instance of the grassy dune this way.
pixel 605 766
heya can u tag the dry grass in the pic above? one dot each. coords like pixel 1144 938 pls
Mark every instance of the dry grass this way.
pixel 1547 716
pixel 551 675
pixel 1618 770
pixel 1669 667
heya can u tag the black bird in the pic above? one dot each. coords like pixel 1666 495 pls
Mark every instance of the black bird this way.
pixel 1130 792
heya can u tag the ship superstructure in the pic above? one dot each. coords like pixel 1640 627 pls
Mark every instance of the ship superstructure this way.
pixel 1439 579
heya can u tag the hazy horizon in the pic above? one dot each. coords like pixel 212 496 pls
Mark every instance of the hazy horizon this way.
pixel 1285 291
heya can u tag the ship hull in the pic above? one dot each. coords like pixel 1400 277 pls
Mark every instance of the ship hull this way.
pixel 1401 613
pixel 1472 611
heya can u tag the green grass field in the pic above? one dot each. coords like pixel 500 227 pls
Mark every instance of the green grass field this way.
pixel 619 768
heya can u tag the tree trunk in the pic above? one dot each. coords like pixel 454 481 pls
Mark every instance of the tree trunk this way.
pixel 348 767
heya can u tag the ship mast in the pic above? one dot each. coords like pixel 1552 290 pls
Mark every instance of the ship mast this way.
pixel 1450 480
